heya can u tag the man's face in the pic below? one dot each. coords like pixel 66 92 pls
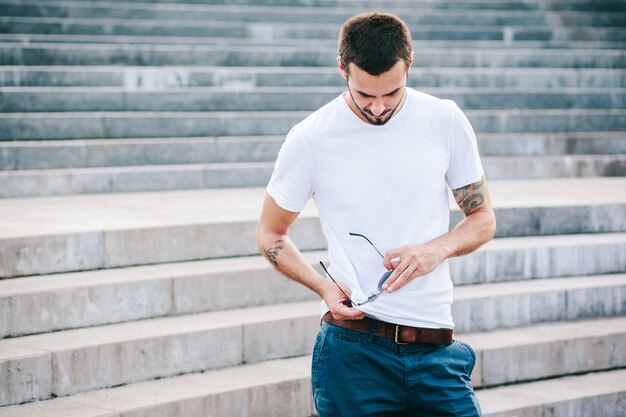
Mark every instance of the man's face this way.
pixel 376 97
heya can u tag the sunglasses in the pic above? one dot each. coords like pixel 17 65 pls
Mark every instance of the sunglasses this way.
pixel 374 295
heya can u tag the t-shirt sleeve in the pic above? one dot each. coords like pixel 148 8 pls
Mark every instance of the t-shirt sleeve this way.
pixel 291 184
pixel 464 165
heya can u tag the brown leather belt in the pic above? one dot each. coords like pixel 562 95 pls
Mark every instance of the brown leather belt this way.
pixel 402 335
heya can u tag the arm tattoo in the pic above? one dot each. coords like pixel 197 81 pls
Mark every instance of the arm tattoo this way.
pixel 470 197
pixel 272 253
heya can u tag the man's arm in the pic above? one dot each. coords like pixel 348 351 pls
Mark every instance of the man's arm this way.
pixel 477 228
pixel 278 248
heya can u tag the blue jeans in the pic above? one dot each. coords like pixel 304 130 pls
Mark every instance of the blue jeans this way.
pixel 360 374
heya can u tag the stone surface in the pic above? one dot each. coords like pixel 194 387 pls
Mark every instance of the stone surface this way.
pixel 574 5
pixel 542 351
pixel 64 407
pixel 81 359
pixel 169 225
pixel 255 32
pixel 33 183
pixel 83 298
pixel 42 53
pixel 96 125
pixel 134 152
pixel 248 282
pixel 511 304
pixel 563 257
pixel 155 77
pixel 246 391
pixel 44 254
pixel 26 374
pixel 105 356
pixel 291 335
pixel 45 99
pixel 43 304
pixel 603 300
pixel 95 153
pixel 600 394
pixel 413 16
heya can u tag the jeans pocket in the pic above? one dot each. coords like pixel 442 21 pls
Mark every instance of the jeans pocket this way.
pixel 472 354
pixel 317 351
pixel 349 337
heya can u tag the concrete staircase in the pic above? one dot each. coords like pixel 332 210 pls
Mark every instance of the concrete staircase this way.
pixel 135 141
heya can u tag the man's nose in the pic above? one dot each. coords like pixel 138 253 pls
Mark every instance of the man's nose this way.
pixel 377 107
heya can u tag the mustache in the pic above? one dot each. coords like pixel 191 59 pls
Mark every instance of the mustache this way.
pixel 386 112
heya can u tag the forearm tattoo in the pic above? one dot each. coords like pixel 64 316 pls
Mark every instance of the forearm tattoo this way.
pixel 470 197
pixel 272 252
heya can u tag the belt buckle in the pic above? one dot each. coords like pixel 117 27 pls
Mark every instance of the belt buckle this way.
pixel 397 334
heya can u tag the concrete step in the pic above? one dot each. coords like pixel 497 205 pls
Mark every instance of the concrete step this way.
pixel 76 99
pixel 42 53
pixel 411 15
pixel 283 31
pixel 81 359
pixel 51 182
pixel 81 299
pixel 598 394
pixel 68 362
pixel 512 304
pixel 95 125
pixel 547 350
pixel 557 166
pixel 250 390
pixel 575 143
pixel 138 78
pixel 116 230
pixel 33 183
pixel 261 42
pixel 94 153
pixel 573 5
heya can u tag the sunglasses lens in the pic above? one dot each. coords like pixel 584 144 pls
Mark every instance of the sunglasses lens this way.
pixel 383 279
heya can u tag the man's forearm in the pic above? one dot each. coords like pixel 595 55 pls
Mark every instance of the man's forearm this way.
pixel 467 236
pixel 287 259
pixel 478 226
pixel 277 247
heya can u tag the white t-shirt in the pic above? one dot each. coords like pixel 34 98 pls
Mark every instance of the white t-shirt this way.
pixel 387 183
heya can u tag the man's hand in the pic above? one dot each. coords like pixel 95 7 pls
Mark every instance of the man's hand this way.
pixel 415 261
pixel 478 227
pixel 336 302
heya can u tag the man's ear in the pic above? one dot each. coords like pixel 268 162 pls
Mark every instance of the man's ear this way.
pixel 342 69
pixel 412 56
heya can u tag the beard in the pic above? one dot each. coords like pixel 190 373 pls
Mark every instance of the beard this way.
pixel 369 116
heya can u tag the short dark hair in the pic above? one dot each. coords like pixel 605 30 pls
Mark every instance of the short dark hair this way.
pixel 374 42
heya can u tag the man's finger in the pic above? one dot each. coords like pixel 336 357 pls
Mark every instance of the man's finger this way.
pixel 347 313
pixel 402 279
pixel 345 289
pixel 395 274
pixel 389 257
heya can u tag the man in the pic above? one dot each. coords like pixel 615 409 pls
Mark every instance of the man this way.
pixel 377 161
